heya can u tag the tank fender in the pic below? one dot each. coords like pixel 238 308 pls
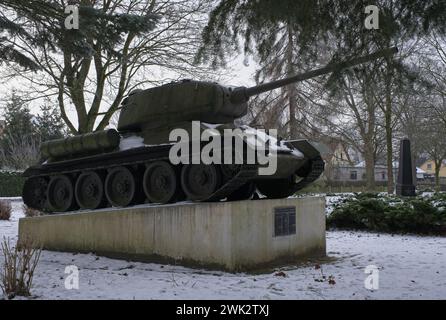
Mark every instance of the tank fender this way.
pixel 304 146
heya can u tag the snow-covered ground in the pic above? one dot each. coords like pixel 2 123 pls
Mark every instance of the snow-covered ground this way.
pixel 410 267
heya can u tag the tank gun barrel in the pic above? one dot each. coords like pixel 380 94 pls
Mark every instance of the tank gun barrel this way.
pixel 242 94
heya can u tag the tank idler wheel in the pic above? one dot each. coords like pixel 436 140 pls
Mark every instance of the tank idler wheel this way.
pixel 61 194
pixel 89 191
pixel 245 192
pixel 34 193
pixel 278 188
pixel 122 187
pixel 160 183
pixel 200 181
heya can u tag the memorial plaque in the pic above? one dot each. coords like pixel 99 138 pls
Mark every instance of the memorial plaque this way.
pixel 284 221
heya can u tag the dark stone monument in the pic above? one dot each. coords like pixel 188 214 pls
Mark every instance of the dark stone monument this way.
pixel 404 185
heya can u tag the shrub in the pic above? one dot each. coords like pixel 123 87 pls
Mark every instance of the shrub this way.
pixel 18 270
pixel 11 183
pixel 5 209
pixel 389 214
pixel 30 212
pixel 367 195
pixel 440 197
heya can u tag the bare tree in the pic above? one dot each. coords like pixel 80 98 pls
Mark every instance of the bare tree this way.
pixel 433 99
pixel 354 115
pixel 434 67
pixel 434 143
pixel 413 112
pixel 95 84
pixel 22 153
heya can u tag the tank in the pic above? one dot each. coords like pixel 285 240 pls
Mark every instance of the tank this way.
pixel 133 164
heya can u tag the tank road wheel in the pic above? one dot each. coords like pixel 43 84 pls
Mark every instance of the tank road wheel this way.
pixel 160 182
pixel 89 191
pixel 276 189
pixel 61 194
pixel 34 193
pixel 200 181
pixel 245 192
pixel 121 187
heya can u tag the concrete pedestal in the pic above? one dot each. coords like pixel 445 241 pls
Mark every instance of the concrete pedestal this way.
pixel 232 236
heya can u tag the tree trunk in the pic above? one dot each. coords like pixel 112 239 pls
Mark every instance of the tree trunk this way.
pixel 369 158
pixel 389 132
pixel 291 89
pixel 369 145
pixel 414 168
pixel 389 157
pixel 437 174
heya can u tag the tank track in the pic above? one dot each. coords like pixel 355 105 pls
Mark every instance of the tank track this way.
pixel 316 169
pixel 132 157
pixel 249 172
pixel 246 173
pixel 102 161
pixel 138 156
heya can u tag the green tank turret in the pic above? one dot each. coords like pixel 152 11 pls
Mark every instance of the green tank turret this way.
pixel 131 165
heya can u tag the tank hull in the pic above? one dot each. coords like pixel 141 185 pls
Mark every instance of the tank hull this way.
pixel 67 185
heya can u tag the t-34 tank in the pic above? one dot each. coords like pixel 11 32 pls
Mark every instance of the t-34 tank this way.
pixel 132 165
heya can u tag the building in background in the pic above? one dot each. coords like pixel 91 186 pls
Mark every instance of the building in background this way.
pixel 429 167
pixel 345 166
pixel 357 173
pixel 336 154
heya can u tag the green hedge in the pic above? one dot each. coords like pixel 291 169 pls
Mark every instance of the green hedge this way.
pixel 423 215
pixel 11 184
